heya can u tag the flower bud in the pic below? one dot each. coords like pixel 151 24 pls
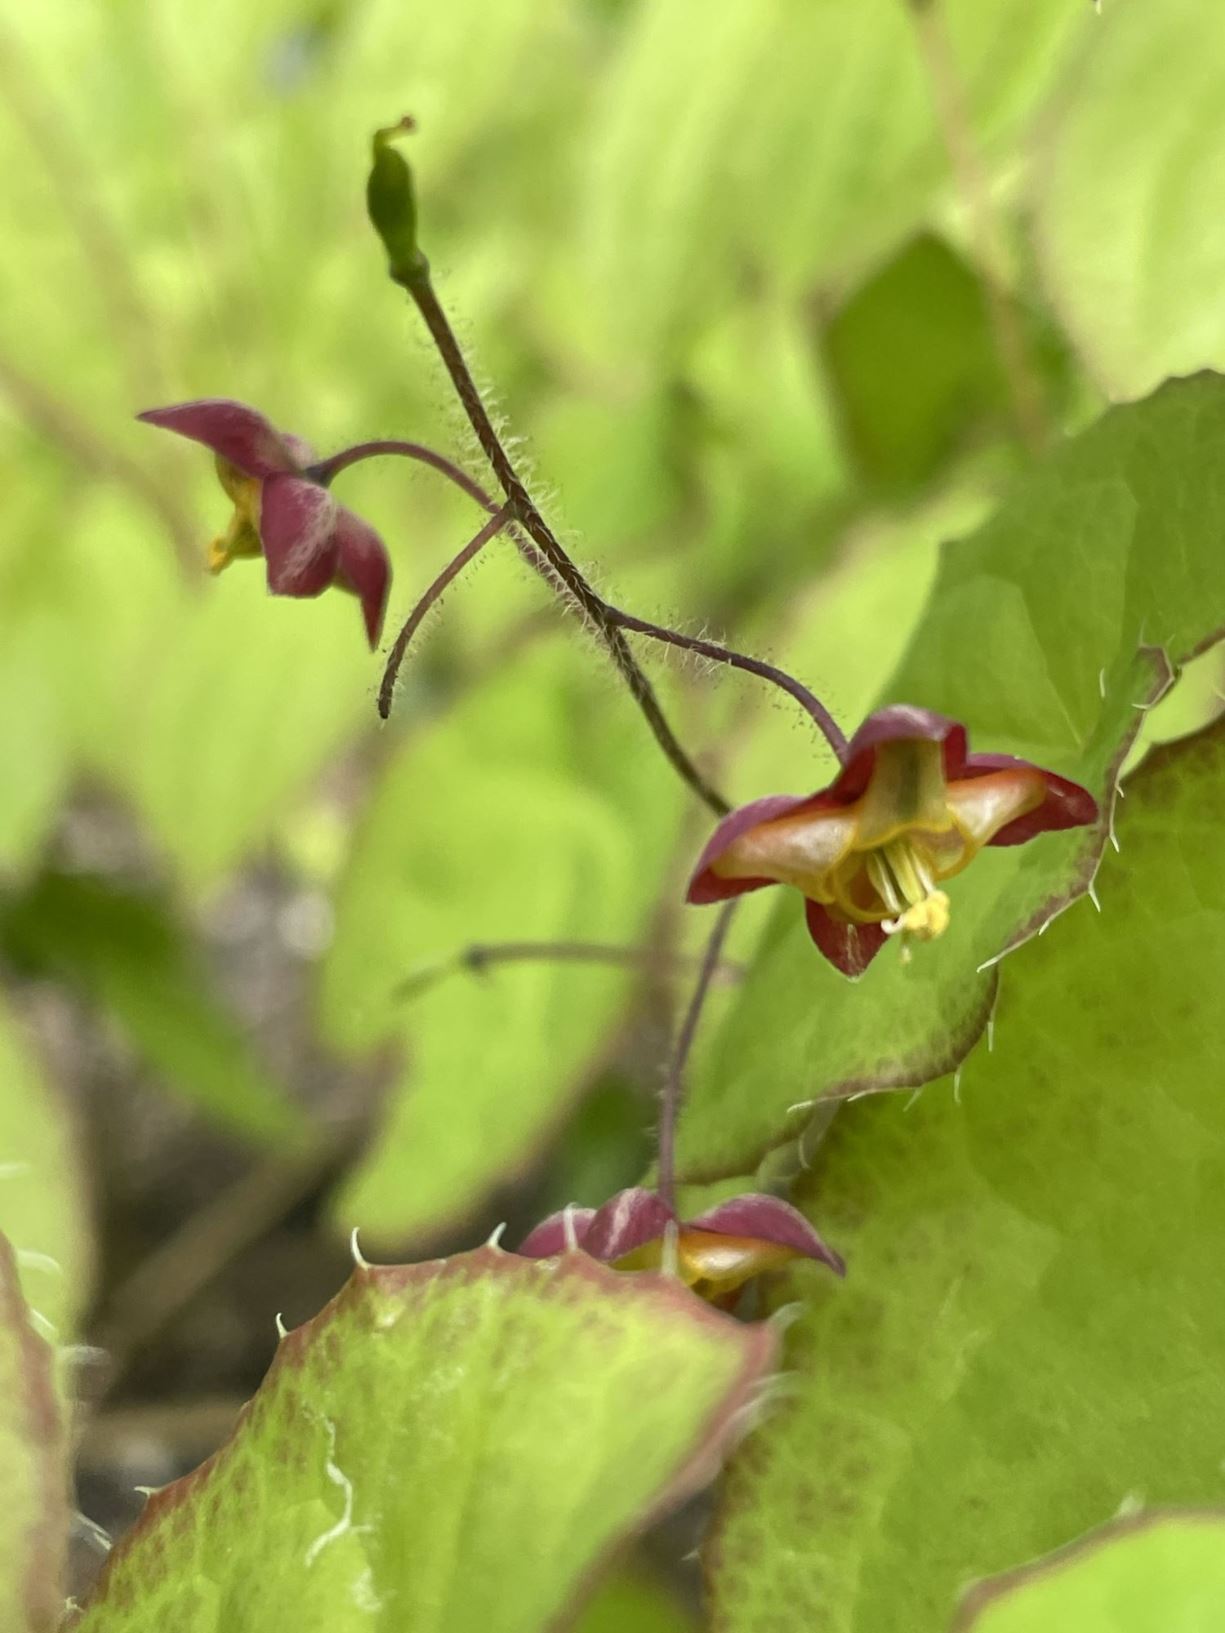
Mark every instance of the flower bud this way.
pixel 391 203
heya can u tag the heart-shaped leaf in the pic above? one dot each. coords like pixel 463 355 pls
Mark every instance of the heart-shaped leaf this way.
pixel 450 1446
pixel 1030 1335
pixel 1035 635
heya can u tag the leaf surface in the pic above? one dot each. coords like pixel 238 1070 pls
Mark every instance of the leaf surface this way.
pixel 1029 1336
pixel 412 1458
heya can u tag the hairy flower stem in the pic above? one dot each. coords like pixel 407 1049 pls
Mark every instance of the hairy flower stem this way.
pixel 608 614
pixel 523 511
pixel 412 623
pixel 673 1094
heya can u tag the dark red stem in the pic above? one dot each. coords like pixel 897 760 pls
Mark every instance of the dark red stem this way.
pixel 560 566
pixel 481 956
pixel 604 612
pixel 673 1094
pixel 449 573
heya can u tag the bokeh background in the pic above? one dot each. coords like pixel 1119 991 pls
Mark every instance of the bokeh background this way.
pixel 778 294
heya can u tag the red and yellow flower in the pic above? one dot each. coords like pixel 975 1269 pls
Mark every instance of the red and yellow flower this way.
pixel 714 1254
pixel 909 809
pixel 308 541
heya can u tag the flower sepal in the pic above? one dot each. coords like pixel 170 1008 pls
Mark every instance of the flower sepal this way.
pixel 309 542
pixel 715 1254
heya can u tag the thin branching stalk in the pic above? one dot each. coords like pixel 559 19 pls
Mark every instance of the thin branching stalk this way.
pixel 674 1084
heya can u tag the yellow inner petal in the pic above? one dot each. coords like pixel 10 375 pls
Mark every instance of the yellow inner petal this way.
pixel 907 791
pixel 881 860
pixel 711 1264
pixel 241 537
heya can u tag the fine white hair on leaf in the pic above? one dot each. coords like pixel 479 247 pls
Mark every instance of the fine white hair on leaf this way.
pixel 42 1325
pixel 359 1258
pixel 1101 682
pixel 957 1087
pixel 494 1239
pixel 1092 893
pixel 282 1331
pixel 786 1316
pixel 29 1259
pixel 338 1478
pixel 910 1102
pixel 90 1531
pixel 568 1228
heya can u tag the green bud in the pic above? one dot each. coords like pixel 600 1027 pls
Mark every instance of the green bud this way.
pixel 391 203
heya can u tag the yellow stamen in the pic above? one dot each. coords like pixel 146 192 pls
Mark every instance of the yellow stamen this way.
pixel 904 883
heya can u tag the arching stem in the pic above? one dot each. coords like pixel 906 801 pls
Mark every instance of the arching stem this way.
pixel 673 1095
pixel 449 573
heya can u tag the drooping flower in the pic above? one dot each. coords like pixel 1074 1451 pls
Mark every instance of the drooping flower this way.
pixel 716 1253
pixel 307 540
pixel 909 809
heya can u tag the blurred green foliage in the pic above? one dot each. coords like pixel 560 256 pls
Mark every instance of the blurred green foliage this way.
pixel 1138 1576
pixel 761 285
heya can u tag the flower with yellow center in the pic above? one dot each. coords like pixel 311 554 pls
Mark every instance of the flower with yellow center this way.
pixel 714 1254
pixel 909 809
pixel 282 510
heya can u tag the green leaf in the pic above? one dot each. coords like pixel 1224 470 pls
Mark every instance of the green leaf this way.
pixel 1154 1574
pixel 33 1469
pixel 798 138
pixel 412 1454
pixel 1034 636
pixel 630 1602
pixel 1128 212
pixel 1030 1334
pixel 914 362
pixel 485 830
pixel 33 735
pixel 128 955
pixel 42 1202
pixel 240 703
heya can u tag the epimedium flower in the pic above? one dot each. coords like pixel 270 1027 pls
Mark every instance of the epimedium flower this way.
pixel 308 541
pixel 908 810
pixel 715 1254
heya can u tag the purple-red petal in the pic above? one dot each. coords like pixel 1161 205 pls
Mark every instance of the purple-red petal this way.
pixel 552 1236
pixel 296 527
pixel 768 1219
pixel 849 947
pixel 1066 804
pixel 626 1221
pixel 363 566
pixel 706 886
pixel 235 432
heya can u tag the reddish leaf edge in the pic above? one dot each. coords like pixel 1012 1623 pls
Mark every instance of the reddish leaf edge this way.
pixel 980 1596
pixel 42 1593
pixel 733 1416
pixel 926 1064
